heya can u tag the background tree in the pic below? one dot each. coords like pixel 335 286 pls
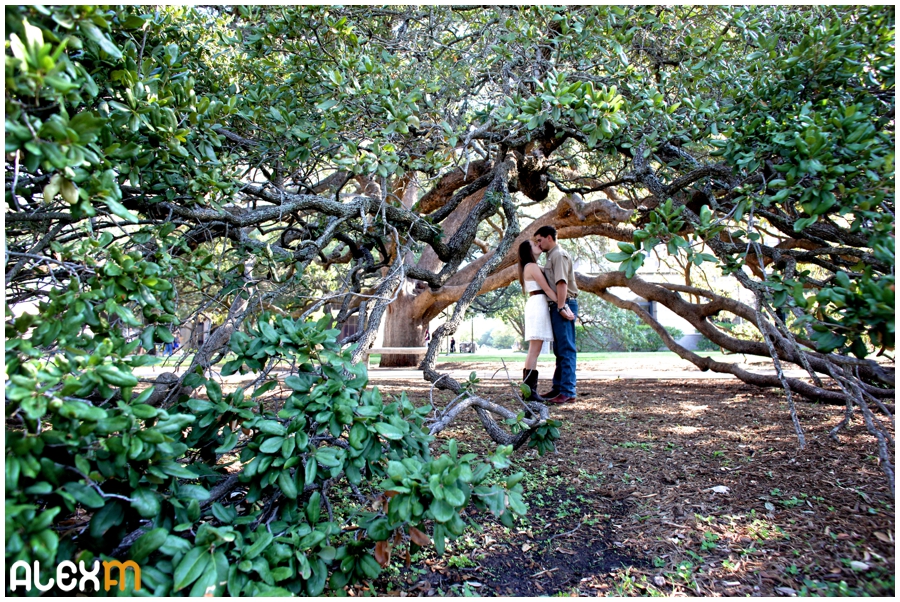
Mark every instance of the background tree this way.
pixel 398 155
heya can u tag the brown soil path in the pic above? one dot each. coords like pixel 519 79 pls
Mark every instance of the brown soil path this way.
pixel 676 487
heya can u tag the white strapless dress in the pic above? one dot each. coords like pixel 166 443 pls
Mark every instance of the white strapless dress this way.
pixel 537 315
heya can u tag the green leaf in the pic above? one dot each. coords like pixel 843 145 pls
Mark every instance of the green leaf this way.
pixel 271 445
pixel 164 335
pixel 286 483
pixel 147 543
pixel 311 540
pixel 133 22
pixel 213 391
pixel 388 431
pixel 271 427
pixel 224 514
pixel 268 386
pixel 268 332
pixel 370 566
pixel 205 583
pixel 201 406
pixel 438 538
pixel 107 517
pixel 193 492
pixel 119 210
pixel 229 440
pixel 311 471
pixel 441 511
pixel 617 257
pixel 85 494
pixel 147 337
pixel 94 33
pixel 454 496
pixel 316 583
pixel 146 502
pixel 176 470
pixel 41 488
pixel 329 456
pixel 314 507
pixel 297 384
pixel 191 567
pixel 262 542
pixel 516 503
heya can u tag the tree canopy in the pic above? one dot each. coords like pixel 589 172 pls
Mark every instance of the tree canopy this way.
pixel 380 163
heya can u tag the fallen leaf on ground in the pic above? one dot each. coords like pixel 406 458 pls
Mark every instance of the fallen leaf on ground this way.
pixel 882 537
pixel 418 538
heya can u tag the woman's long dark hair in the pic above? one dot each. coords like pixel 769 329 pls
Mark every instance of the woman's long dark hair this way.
pixel 526 256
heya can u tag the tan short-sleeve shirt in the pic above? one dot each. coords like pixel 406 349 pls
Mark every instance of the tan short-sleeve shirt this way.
pixel 561 267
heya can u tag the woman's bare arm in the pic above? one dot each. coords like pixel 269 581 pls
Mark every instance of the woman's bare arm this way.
pixel 537 274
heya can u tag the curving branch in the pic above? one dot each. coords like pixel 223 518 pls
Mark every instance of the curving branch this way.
pixel 697 315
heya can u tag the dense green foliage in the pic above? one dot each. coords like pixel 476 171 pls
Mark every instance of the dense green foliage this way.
pixel 812 115
pixel 130 463
pixel 605 327
pixel 84 440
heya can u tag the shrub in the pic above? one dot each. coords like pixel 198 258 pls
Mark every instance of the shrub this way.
pixel 744 331
pixel 649 340
pixel 504 339
pixel 606 327
pixel 235 492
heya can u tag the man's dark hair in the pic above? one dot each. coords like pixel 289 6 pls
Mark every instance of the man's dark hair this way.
pixel 546 231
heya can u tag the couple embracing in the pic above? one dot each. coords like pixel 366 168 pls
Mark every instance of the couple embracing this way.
pixel 549 313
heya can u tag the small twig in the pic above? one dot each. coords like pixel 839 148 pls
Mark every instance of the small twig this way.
pixel 515 389
pixel 767 337
pixel 565 534
pixel 358 493
pixel 664 522
pixel 325 487
pixel 15 181
pixel 102 493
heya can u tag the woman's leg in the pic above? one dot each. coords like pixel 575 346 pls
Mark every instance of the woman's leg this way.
pixel 534 350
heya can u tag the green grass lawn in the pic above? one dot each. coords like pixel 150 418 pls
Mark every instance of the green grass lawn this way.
pixel 506 355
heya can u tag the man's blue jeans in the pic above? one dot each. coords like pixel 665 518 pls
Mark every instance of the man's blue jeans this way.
pixel 564 349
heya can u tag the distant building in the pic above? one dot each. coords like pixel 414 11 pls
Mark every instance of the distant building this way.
pixel 666 270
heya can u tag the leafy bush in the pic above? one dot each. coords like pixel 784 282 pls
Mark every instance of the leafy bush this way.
pixel 606 327
pixel 648 340
pixel 744 331
pixel 85 448
pixel 486 340
pixel 705 344
pixel 504 339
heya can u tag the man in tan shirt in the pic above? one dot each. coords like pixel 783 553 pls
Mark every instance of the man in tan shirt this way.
pixel 560 272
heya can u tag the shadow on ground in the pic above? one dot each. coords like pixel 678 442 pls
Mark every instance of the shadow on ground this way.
pixel 675 488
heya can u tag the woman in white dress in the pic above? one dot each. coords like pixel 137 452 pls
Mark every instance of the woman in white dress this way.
pixel 537 313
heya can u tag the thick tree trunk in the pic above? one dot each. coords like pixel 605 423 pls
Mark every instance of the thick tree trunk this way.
pixel 404 324
pixel 403 328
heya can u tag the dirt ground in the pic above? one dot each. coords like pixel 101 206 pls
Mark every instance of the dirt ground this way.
pixel 667 487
